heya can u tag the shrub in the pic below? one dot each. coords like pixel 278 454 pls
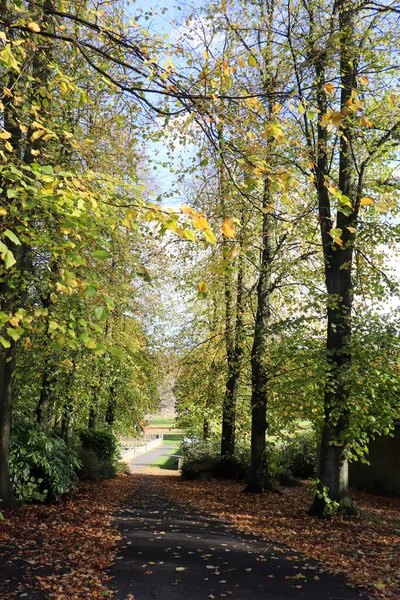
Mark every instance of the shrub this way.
pixel 200 459
pixel 89 470
pixel 299 455
pixel 103 442
pixel 42 467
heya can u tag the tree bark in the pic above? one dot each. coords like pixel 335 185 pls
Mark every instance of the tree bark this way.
pixel 333 463
pixel 234 356
pixel 258 478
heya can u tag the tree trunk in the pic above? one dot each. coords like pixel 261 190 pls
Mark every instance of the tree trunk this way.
pixel 111 407
pixel 333 464
pixel 93 421
pixel 7 360
pixel 234 356
pixel 259 370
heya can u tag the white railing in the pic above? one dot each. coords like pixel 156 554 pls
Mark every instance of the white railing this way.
pixel 133 447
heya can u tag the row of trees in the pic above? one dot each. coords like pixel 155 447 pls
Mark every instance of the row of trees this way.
pixel 305 170
pixel 292 108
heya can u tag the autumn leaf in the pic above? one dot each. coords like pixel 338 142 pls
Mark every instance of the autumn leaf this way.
pixel 329 88
pixel 366 201
pixel 228 228
pixel 34 27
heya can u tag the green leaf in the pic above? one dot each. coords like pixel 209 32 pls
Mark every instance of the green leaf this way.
pixel 9 259
pixel 4 342
pixel 251 61
pixel 90 291
pixel 210 237
pixel 204 162
pixel 117 352
pixel 102 313
pixel 101 254
pixel 11 236
pixel 100 349
pixel 13 334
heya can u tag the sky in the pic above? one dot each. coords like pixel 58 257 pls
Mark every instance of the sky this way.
pixel 163 23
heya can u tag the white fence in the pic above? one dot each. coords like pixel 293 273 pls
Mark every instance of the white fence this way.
pixel 133 447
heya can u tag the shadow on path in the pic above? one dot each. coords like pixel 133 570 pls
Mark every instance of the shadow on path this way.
pixel 170 551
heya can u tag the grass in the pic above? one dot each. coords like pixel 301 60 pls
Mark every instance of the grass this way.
pixel 167 462
pixel 173 439
pixel 162 422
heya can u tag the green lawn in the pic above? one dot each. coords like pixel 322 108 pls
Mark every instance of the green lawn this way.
pixel 162 422
pixel 173 439
pixel 167 462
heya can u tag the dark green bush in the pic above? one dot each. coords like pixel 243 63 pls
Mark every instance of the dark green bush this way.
pixel 200 459
pixel 93 469
pixel 294 458
pixel 89 470
pixel 42 467
pixel 102 441
pixel 299 455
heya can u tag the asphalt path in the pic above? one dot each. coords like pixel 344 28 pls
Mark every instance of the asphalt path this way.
pixel 144 460
pixel 171 551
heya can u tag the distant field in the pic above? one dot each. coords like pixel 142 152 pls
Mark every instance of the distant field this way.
pixel 162 422
pixel 173 439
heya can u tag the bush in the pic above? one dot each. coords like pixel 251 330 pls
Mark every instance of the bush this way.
pixel 89 470
pixel 42 467
pixel 299 455
pixel 200 459
pixel 296 457
pixel 103 442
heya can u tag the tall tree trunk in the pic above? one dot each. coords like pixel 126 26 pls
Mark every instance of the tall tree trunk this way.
pixel 111 406
pixel 234 356
pixel 259 368
pixel 93 421
pixel 13 286
pixel 333 463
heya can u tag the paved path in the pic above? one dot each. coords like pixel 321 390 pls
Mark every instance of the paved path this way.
pixel 144 460
pixel 170 552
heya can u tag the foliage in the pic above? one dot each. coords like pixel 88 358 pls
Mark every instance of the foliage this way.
pixel 200 459
pixel 299 454
pixel 103 442
pixel 42 467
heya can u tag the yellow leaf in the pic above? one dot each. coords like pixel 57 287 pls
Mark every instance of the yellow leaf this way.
pixel 203 287
pixel 27 342
pixel 53 297
pixel 241 62
pixel 228 228
pixel 352 229
pixel 366 201
pixel 329 88
pixel 186 210
pixel 364 80
pixel 338 241
pixel 5 135
pixel 34 27
pixel 3 212
pixel 200 222
pixel 68 363
pixel 9 147
pixel 251 61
